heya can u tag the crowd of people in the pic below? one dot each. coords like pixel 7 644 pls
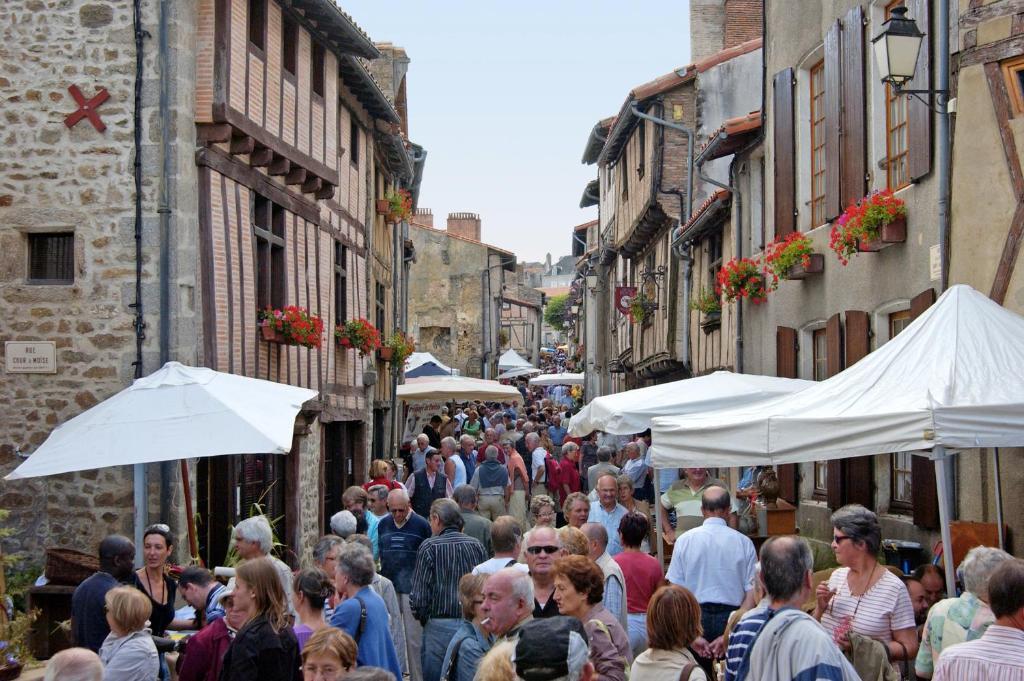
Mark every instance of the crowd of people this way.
pixel 512 550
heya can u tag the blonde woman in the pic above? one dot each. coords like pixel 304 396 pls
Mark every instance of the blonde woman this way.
pixel 128 652
pixel 265 648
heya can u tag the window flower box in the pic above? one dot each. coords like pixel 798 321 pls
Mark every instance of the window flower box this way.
pixel 291 325
pixel 815 265
pixel 385 353
pixel 743 278
pixel 272 335
pixel 358 334
pixel 711 321
pixel 894 232
pixel 397 348
pixel 383 206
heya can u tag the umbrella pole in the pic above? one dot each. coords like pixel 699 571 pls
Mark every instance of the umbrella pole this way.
pixel 939 456
pixel 190 518
pixel 999 496
pixel 657 518
pixel 141 510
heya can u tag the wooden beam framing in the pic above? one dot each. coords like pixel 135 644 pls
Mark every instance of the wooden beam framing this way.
pixel 261 157
pixel 989 52
pixel 242 144
pixel 979 14
pixel 279 166
pixel 295 176
pixel 1011 248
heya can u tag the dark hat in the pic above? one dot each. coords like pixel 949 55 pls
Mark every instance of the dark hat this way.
pixel 545 647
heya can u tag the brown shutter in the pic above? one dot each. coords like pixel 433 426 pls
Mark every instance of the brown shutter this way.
pixel 921 302
pixel 834 343
pixel 854 150
pixel 923 494
pixel 785 352
pixel 833 118
pixel 785 153
pixel 834 484
pixel 919 118
pixel 785 367
pixel 858 336
pixel 859 475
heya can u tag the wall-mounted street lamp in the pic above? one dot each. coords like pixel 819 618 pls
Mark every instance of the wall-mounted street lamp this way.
pixel 897 48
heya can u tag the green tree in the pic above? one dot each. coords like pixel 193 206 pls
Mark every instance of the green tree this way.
pixel 555 311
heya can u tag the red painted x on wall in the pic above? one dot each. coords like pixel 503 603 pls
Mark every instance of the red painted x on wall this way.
pixel 87 108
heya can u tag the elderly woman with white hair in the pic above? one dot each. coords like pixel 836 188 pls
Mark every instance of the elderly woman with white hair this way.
pixel 955 620
pixel 255 539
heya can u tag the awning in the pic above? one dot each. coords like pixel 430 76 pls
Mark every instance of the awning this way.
pixel 557 379
pixel 457 389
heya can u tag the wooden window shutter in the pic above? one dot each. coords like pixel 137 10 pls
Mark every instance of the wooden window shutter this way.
pixel 858 336
pixel 921 302
pixel 919 118
pixel 785 367
pixel 854 150
pixel 785 352
pixel 835 484
pixel 833 114
pixel 923 495
pixel 858 474
pixel 834 342
pixel 785 152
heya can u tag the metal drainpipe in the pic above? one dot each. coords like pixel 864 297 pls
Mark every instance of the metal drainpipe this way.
pixel 738 250
pixel 942 132
pixel 396 322
pixel 139 481
pixel 485 291
pixel 164 210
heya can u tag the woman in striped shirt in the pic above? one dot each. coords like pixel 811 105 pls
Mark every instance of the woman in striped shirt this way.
pixel 863 596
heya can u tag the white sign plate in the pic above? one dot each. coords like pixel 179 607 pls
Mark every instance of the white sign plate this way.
pixel 30 357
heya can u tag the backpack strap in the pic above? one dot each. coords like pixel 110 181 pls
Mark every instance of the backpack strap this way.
pixel 453 661
pixel 684 674
pixel 362 619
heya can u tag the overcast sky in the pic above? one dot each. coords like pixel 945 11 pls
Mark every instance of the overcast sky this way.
pixel 503 95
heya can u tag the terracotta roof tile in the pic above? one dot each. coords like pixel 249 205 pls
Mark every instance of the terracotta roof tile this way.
pixel 730 136
pixel 717 199
pixel 584 226
pixel 461 238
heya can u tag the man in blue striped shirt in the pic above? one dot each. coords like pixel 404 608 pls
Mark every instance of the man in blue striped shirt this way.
pixel 778 641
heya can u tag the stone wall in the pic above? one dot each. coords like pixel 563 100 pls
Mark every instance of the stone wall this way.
pixel 56 179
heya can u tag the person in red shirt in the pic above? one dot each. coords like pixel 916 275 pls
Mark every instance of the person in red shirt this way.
pixel 379 476
pixel 642 573
pixel 568 471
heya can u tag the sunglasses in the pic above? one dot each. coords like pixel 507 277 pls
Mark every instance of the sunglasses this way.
pixel 536 550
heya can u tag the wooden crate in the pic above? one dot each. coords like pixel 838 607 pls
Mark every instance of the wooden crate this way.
pixel 776 521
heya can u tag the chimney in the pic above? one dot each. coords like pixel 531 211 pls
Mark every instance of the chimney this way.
pixel 707 28
pixel 742 21
pixel 423 217
pixel 466 225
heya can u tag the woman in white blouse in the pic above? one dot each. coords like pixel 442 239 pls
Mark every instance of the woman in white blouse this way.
pixel 863 596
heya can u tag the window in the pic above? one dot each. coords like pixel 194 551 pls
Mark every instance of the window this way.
pixel 258 23
pixel 714 259
pixel 642 143
pixel 340 282
pixel 820 478
pixel 896 173
pixel 820 348
pixel 353 137
pixel 269 232
pixel 380 297
pixel 290 46
pixel 317 67
pixel 1013 72
pixel 51 258
pixel 817 85
pixel 624 177
pixel 898 321
pixel 901 482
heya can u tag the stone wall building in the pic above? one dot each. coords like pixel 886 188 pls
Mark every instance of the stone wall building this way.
pixel 275 142
pixel 456 289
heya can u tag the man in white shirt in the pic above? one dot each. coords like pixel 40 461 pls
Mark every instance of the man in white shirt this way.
pixel 420 452
pixel 538 464
pixel 717 564
pixel 506 540
pixel 635 467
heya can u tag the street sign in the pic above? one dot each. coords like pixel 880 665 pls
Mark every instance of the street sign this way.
pixel 30 357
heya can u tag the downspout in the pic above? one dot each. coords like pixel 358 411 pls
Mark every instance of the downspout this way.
pixel 737 203
pixel 942 132
pixel 688 209
pixel 164 211
pixel 139 482
pixel 396 324
pixel 485 292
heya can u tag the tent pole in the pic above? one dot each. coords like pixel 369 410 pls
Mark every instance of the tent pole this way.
pixel 939 456
pixel 141 510
pixel 657 519
pixel 190 518
pixel 999 496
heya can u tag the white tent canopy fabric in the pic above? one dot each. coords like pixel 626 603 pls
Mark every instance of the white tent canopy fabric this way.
pixel 631 411
pixel 557 379
pixel 951 379
pixel 418 359
pixel 511 359
pixel 177 412
pixel 456 389
pixel 517 373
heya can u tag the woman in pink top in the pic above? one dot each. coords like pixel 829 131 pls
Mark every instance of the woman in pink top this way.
pixel 863 596
pixel 643 576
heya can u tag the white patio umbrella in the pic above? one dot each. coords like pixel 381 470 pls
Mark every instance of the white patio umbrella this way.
pixel 177 412
pixel 517 373
pixel 456 389
pixel 631 411
pixel 950 380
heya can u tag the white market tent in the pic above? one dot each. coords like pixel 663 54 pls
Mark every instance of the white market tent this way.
pixel 423 360
pixel 456 389
pixel 631 411
pixel 557 379
pixel 511 359
pixel 518 373
pixel 950 380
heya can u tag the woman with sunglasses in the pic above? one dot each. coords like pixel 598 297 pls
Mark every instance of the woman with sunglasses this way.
pixel 470 642
pixel 863 596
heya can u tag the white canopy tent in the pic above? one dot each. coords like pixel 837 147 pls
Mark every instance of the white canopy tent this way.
pixel 456 389
pixel 419 359
pixel 557 379
pixel 518 373
pixel 950 380
pixel 510 359
pixel 631 411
